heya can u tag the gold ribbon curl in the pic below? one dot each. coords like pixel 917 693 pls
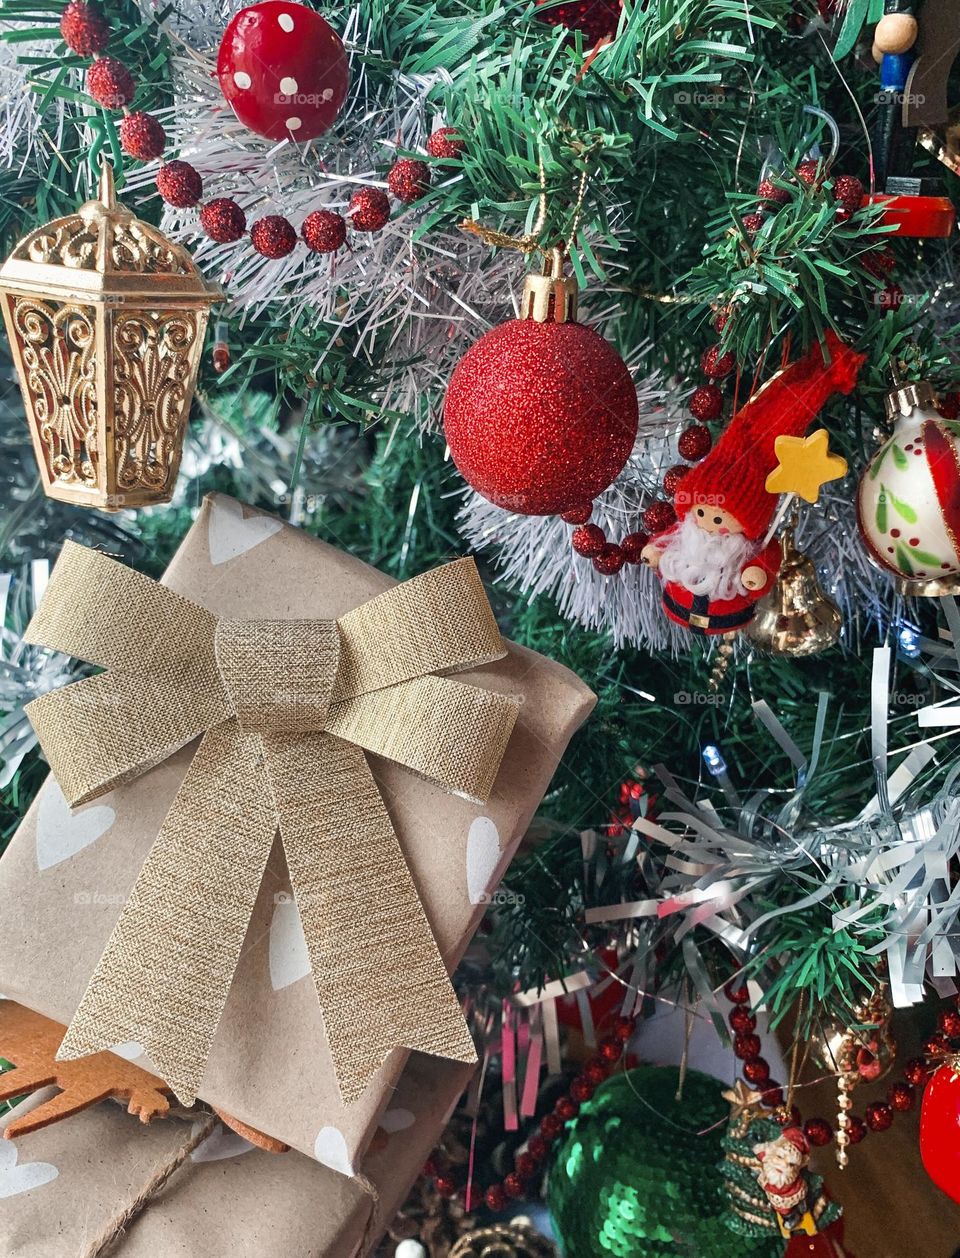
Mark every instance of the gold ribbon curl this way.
pixel 286 710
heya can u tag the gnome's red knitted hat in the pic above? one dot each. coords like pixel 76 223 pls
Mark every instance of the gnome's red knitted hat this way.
pixel 733 474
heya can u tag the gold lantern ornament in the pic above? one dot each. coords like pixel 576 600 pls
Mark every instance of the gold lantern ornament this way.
pixel 106 318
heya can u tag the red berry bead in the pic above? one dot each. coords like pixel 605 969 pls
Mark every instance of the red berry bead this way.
pixel 179 184
pixel 446 1185
pixel 596 1070
pixel 579 514
pixel 915 1072
pixel 879 262
pixel 716 365
pixel 772 194
pixel 737 993
pixel 273 236
pixel 818 1131
pixel 324 231
pixel 706 403
pixel 632 547
pixel 223 220
pixel 771 1094
pixel 409 179
pixel 948 1020
pixel 742 1020
pixel 83 29
pixel 624 1028
pixel 747 1046
pixel 495 1197
pixel 537 1147
pixel 672 478
pixel 566 1108
pixel 752 222
pixel 810 172
pixel 694 442
pixel 900 1097
pixel 513 1186
pixel 588 540
pixel 526 1166
pixel 142 137
pixel 369 209
pixel 582 1089
pixel 721 319
pixel 937 1045
pixel 848 192
pixel 610 560
pixel 756 1070
pixel 110 83
pixel 551 1126
pixel 856 1129
pixel 611 1050
pixel 445 143
pixel 658 517
pixel 879 1115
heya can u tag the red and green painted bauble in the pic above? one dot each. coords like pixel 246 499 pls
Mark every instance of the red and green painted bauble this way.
pixel 283 70
pixel 541 413
pixel 908 500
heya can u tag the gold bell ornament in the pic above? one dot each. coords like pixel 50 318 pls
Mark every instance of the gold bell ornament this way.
pixel 106 319
pixel 795 617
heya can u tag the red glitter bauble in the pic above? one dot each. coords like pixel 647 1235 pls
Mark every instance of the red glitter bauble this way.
pixel 566 1108
pixel 937 1045
pixel 672 478
pixel 537 1147
pixel 582 1089
pixel 551 1126
pixel 772 1094
pixel 369 209
pixel 540 416
pixel 526 1166
pixel 324 231
pixel 948 1020
pixel 771 194
pixel 818 1131
pixel 110 83
pixel 609 562
pixel 445 143
pixel 513 1186
pixel 611 1050
pixel 409 179
pixel 737 993
pixel 283 70
pixel 879 262
pixel 706 403
pixel 752 223
pixel 588 540
pixel 756 1070
pixel 742 1020
pixel 716 365
pixel 747 1045
pixel 142 136
pixel 658 517
pixel 915 1072
pixel 495 1197
pixel 632 547
pixel 83 29
pixel 595 18
pixel 810 173
pixel 694 442
pixel 179 184
pixel 900 1097
pixel 579 514
pixel 848 192
pixel 273 237
pixel 856 1129
pixel 223 220
pixel 879 1115
pixel 624 1028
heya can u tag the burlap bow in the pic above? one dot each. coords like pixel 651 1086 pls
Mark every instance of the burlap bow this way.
pixel 286 709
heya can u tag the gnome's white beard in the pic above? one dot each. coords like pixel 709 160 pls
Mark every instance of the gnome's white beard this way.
pixel 705 563
pixel 780 1166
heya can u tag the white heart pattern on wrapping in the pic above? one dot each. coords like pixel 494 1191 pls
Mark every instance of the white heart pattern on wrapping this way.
pixel 221 1143
pixel 230 534
pixel 397 1120
pixel 16 1179
pixel 289 959
pixel 62 833
pixel 330 1148
pixel 483 857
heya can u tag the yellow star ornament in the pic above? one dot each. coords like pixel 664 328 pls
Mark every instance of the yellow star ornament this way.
pixel 805 465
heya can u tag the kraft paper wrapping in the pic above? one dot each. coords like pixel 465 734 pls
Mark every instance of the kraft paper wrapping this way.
pixel 66 876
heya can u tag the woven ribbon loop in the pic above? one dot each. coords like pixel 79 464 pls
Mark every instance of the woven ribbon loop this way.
pixel 286 711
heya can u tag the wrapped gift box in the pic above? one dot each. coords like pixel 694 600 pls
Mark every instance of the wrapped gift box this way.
pixel 66 874
pixel 64 1185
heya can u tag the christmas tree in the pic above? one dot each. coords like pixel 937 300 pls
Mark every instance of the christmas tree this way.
pixel 576 289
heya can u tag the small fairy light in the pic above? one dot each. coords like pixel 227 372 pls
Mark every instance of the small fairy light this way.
pixel 221 348
pixel 908 637
pixel 714 761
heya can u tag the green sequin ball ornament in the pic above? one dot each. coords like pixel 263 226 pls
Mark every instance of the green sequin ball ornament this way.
pixel 632 1178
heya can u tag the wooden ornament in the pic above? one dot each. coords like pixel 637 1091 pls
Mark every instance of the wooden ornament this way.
pixel 896 33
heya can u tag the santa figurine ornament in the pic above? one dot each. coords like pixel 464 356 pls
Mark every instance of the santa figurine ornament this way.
pixel 784 1178
pixel 720 558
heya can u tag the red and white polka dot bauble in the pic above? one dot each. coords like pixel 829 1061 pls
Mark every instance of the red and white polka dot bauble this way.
pixel 283 70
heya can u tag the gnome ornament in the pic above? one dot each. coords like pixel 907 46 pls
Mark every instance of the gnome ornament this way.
pixel 716 561
pixel 784 1178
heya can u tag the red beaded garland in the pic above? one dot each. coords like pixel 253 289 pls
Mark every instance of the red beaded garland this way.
pixel 632 547
pixel 409 179
pixel 446 1185
pixel 594 18
pixel 223 220
pixel 810 172
pixel 445 142
pixel 716 365
pixel 273 236
pixel 916 1071
pixel 84 30
pixel 937 1045
pixel 741 1019
pixel 848 192
pixel 818 1131
pixel 495 1197
pixel 611 1049
pixel 610 560
pixel 737 993
pixel 369 209
pixel 142 136
pixel 537 1147
pixel 694 442
pixel 566 1108
pixel 769 192
pixel 948 1020
pixel 856 1128
pixel 551 1126
pixel 747 1046
pixel 756 1070
pixel 706 403
pixel 752 222
pixel 324 231
pixel 588 540
pixel 900 1097
pixel 658 517
pixel 110 83
pixel 878 1115
pixel 579 514
pixel 179 184
pixel 513 1185
pixel 582 1089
